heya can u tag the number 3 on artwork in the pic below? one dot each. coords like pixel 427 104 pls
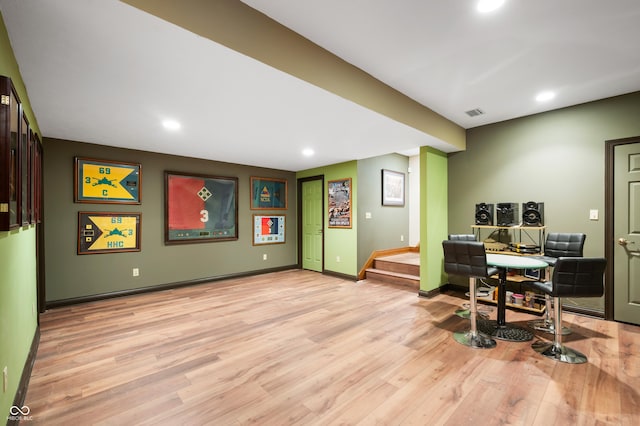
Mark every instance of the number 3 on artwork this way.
pixel 204 216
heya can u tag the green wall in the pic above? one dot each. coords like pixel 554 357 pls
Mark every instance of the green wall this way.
pixel 433 216
pixel 71 276
pixel 556 157
pixel 18 297
pixel 339 243
pixel 388 226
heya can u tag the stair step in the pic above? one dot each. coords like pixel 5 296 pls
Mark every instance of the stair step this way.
pixel 393 277
pixel 396 266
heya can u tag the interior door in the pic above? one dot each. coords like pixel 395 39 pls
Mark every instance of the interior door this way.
pixel 626 225
pixel 312 225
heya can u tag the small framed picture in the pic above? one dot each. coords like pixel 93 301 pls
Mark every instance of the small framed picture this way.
pixel 268 229
pixel 100 232
pixel 103 181
pixel 268 194
pixel 392 188
pixel 534 274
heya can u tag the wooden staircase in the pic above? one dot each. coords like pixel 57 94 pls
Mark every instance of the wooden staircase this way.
pixel 401 268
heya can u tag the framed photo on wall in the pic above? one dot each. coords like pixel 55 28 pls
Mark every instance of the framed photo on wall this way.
pixel 200 208
pixel 268 194
pixel 392 188
pixel 340 203
pixel 100 232
pixel 103 181
pixel 268 229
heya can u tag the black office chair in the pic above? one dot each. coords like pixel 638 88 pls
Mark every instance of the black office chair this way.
pixel 557 245
pixel 572 277
pixel 468 259
pixel 464 312
pixel 562 245
pixel 462 237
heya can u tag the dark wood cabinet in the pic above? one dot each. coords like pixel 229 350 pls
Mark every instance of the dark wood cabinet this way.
pixel 20 163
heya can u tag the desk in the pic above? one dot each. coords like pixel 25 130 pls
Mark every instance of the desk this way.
pixel 499 328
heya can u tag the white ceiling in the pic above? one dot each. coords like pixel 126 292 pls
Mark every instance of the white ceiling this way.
pixel 101 71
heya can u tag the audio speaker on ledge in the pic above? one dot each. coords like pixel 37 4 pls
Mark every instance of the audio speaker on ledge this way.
pixel 532 214
pixel 484 214
pixel 507 214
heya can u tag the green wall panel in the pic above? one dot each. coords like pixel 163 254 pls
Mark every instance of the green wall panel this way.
pixel 388 226
pixel 557 158
pixel 18 297
pixel 340 244
pixel 433 216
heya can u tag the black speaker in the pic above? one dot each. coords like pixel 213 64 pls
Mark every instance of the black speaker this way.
pixel 484 214
pixel 507 214
pixel 532 214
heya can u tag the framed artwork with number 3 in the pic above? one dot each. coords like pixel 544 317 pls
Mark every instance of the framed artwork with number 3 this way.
pixel 200 208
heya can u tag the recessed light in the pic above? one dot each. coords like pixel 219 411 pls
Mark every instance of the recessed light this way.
pixel 545 96
pixel 307 152
pixel 171 125
pixel 485 6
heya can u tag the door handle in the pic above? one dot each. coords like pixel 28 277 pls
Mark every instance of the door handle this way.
pixel 623 241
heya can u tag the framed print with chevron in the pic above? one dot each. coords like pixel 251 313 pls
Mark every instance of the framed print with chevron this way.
pixel 101 232
pixel 103 181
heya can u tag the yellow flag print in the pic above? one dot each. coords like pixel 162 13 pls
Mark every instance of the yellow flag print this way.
pixel 104 182
pixel 118 232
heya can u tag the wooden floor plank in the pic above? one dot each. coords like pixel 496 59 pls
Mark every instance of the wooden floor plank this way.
pixel 298 347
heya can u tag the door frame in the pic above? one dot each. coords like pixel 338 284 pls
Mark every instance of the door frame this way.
pixel 609 245
pixel 300 245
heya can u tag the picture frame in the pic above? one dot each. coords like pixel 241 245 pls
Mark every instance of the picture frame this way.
pixel 25 171
pixel 10 176
pixel 534 274
pixel 268 193
pixel 108 232
pixel 393 191
pixel 200 208
pixel 268 229
pixel 107 182
pixel 339 193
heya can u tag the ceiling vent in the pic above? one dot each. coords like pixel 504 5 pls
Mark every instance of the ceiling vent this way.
pixel 474 112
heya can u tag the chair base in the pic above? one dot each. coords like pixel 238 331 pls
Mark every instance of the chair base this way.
pixel 477 340
pixel 508 332
pixel 548 327
pixel 559 353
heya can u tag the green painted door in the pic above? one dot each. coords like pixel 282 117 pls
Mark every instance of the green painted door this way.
pixel 312 227
pixel 626 226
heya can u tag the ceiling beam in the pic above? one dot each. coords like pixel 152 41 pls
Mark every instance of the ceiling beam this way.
pixel 250 32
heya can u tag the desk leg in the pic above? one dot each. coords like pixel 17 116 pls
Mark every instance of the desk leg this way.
pixel 502 297
pixel 499 329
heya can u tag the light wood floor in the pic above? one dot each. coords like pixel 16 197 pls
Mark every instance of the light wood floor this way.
pixel 297 347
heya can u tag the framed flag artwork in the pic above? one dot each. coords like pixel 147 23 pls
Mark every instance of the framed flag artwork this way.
pixel 268 229
pixel 200 208
pixel 268 194
pixel 102 181
pixel 100 232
